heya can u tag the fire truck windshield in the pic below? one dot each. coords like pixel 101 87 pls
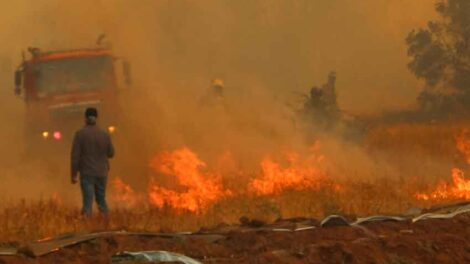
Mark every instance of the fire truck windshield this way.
pixel 73 75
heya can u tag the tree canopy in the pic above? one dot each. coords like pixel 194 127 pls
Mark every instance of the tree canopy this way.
pixel 440 55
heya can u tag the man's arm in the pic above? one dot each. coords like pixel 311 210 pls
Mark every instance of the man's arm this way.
pixel 110 150
pixel 75 158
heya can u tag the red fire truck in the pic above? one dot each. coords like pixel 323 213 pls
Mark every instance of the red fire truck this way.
pixel 57 86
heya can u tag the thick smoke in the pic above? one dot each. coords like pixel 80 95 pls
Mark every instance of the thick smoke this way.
pixel 265 51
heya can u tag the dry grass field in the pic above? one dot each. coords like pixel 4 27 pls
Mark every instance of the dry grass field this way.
pixel 410 149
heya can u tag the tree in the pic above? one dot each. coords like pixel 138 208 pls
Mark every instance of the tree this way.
pixel 441 54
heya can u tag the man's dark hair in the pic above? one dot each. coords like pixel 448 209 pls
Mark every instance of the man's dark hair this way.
pixel 90 115
pixel 91 112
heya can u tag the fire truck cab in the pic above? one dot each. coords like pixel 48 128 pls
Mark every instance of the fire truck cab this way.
pixel 57 86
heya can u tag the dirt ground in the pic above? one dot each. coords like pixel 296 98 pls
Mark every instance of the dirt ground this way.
pixel 428 241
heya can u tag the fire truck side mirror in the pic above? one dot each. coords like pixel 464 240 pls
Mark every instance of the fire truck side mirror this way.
pixel 18 81
pixel 126 70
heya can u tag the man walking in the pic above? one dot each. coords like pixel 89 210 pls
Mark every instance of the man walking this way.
pixel 91 149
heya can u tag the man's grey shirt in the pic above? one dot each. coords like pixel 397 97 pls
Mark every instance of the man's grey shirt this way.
pixel 91 149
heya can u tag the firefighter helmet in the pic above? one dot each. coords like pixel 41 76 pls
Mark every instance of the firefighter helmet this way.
pixel 218 82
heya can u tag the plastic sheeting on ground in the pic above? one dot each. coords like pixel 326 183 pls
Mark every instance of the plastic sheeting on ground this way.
pixel 334 220
pixel 45 246
pixel 457 211
pixel 152 256
pixel 8 250
pixel 48 245
pixel 378 218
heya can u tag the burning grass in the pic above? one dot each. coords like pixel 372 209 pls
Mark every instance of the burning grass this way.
pixel 459 188
pixel 185 193
pixel 32 220
pixel 24 220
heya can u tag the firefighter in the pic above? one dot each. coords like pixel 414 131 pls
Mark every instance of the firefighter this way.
pixel 91 150
pixel 218 87
pixel 321 107
pixel 215 94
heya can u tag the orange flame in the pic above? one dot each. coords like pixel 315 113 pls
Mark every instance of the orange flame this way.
pixel 299 174
pixel 460 189
pixel 182 181
pixel 200 189
pixel 123 193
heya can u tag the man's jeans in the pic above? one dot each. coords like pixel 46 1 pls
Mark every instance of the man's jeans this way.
pixel 93 186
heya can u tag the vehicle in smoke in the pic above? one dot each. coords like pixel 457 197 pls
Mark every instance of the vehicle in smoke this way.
pixel 57 86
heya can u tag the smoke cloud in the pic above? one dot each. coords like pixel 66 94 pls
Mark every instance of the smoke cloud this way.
pixel 267 52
